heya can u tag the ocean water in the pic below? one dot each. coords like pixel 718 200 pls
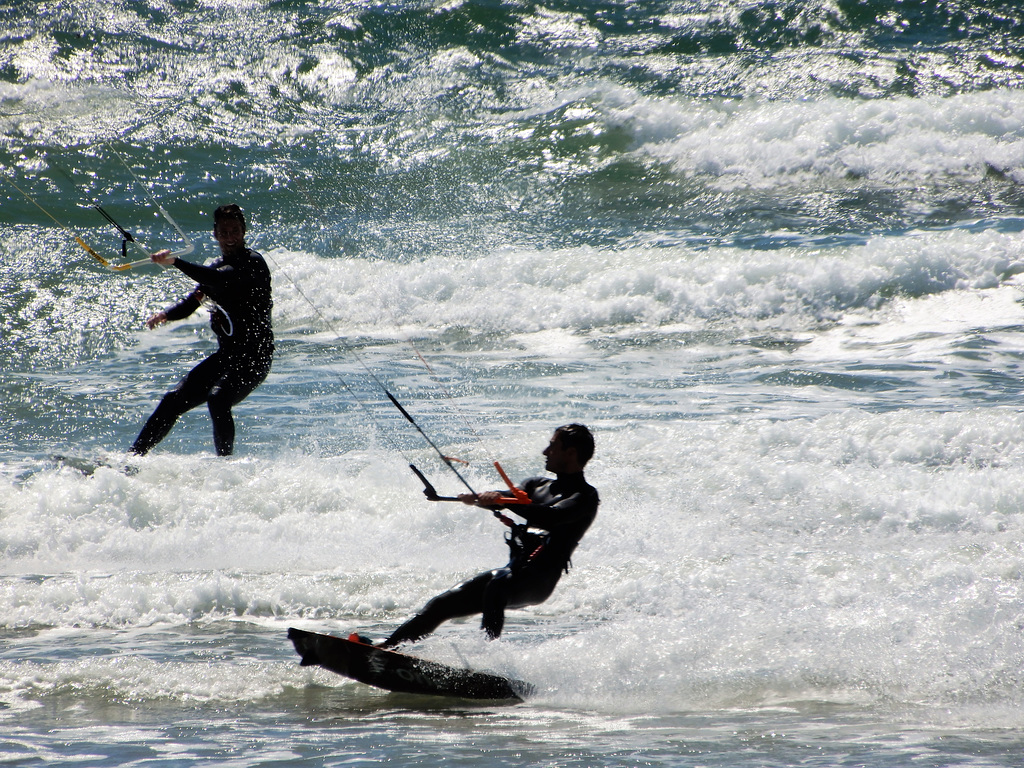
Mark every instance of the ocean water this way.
pixel 768 251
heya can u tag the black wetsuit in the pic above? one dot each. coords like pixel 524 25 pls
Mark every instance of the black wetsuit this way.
pixel 563 510
pixel 240 286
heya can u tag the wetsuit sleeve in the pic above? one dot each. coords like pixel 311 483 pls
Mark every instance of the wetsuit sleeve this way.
pixel 185 307
pixel 214 276
pixel 568 510
pixel 248 275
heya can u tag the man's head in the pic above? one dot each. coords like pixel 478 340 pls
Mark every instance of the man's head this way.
pixel 230 212
pixel 229 227
pixel 569 450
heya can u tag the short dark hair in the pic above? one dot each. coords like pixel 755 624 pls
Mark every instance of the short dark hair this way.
pixel 577 436
pixel 227 213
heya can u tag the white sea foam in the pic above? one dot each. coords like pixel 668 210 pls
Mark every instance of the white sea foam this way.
pixel 847 558
pixel 807 414
pixel 521 291
pixel 768 143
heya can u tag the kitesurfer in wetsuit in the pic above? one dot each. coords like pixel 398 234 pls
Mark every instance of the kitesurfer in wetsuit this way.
pixel 559 513
pixel 236 288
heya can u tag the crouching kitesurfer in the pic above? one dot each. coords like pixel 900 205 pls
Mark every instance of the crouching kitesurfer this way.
pixel 559 512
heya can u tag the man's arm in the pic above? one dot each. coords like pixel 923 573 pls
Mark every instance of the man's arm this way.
pixel 561 511
pixel 179 311
pixel 215 277
pixel 566 511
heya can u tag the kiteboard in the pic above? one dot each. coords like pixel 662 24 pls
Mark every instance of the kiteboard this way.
pixel 88 465
pixel 400 672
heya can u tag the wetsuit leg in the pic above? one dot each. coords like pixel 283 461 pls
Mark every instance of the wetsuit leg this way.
pixel 495 600
pixel 232 389
pixel 464 600
pixel 223 429
pixel 514 589
pixel 488 593
pixel 531 587
pixel 191 391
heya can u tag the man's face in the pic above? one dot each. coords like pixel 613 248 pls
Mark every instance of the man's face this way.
pixel 559 458
pixel 230 234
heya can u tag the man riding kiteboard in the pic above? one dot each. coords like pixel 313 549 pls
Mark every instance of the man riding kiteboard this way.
pixel 559 512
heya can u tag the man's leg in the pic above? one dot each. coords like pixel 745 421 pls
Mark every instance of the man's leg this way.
pixel 190 392
pixel 223 425
pixel 463 600
pixel 495 599
pixel 507 590
pixel 230 391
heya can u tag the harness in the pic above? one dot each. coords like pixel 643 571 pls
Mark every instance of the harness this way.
pixel 524 545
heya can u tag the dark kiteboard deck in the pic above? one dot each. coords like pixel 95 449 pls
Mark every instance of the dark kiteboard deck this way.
pixel 88 465
pixel 402 673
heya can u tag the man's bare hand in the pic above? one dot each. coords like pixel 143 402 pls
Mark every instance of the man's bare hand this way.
pixel 485 499
pixel 163 258
pixel 158 319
